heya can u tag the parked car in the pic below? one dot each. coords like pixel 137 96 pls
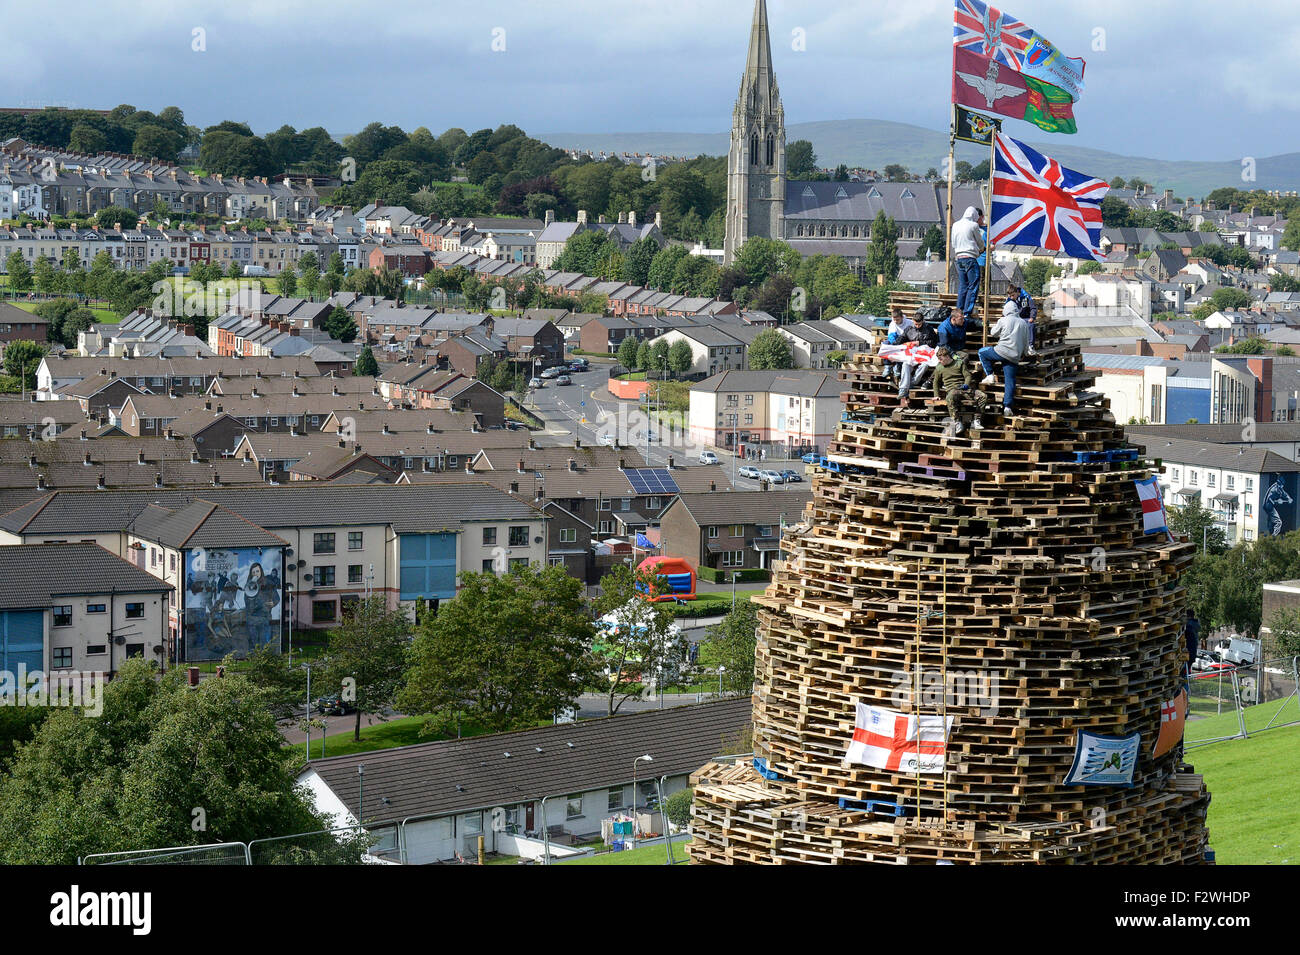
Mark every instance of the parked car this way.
pixel 578 364
pixel 555 372
pixel 1241 652
pixel 770 476
pixel 1204 660
pixel 708 457
pixel 535 383
pixel 748 471
pixel 607 439
pixel 334 706
pixel 792 477
pixel 563 380
pixel 810 458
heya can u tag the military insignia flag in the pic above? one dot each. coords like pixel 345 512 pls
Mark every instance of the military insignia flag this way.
pixel 984 84
pixel 1038 202
pixel 975 127
pixel 986 31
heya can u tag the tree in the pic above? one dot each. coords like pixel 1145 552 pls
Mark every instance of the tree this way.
pixel 367 656
pixel 22 358
pixel 288 281
pixel 664 266
pixel 116 215
pixel 309 272
pixel 627 350
pixel 510 651
pixel 637 638
pixel 284 687
pixel 366 365
pixel 732 644
pixel 1199 525
pixel 932 241
pixel 895 173
pixel 235 271
pixel 340 325
pixel 1284 628
pixel 45 277
pixel 1253 345
pixel 882 253
pixel 800 160
pixel 160 760
pixel 761 258
pixel 1089 267
pixel 1036 272
pixel 680 356
pixel 644 356
pixel 20 274
pixel 770 349
pixel 678 807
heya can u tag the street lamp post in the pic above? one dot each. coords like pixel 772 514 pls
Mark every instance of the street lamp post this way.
pixel 721 670
pixel 646 758
pixel 733 589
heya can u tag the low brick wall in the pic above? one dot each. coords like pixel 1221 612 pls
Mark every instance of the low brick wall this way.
pixel 627 390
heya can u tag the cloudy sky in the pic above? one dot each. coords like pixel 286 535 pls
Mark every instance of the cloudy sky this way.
pixel 1166 79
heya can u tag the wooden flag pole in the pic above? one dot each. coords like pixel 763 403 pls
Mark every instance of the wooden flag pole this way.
pixel 952 166
pixel 988 232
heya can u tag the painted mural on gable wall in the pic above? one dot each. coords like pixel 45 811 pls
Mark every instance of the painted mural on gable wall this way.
pixel 232 601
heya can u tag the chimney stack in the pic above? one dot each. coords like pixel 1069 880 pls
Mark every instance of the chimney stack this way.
pixel 582 217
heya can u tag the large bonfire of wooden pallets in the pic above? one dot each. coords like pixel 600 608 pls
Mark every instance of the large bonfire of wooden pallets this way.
pixel 1001 578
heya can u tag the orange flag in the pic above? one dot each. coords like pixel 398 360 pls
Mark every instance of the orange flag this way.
pixel 1173 716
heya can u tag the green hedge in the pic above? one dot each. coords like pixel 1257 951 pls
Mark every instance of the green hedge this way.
pixel 722 575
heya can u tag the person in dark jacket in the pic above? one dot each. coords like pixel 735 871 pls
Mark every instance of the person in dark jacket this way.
pixel 952 335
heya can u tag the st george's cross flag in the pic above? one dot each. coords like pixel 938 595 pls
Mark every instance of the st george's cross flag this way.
pixel 1173 718
pixel 887 739
pixel 1154 520
pixel 987 31
pixel 1038 202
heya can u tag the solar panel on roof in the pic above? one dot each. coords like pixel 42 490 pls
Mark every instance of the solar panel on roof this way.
pixel 651 481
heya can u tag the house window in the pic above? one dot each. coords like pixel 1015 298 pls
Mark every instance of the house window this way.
pixel 737 530
pixel 1231 481
pixel 518 563
pixel 713 531
pixel 749 399
pixel 324 576
pixel 749 419
pixel 606 504
pixel 1193 479
pixel 63 616
pixel 323 610
pixel 733 558
pixel 489 536
pixel 1177 475
pixel 519 536
pixel 1210 478
pixel 95 608
pixel 134 611
pixel 354 574
pixel 322 543
pixel 615 799
pixel 96 649
pixel 489 566
pixel 568 535
pixel 1250 485
pixel 573 807
pixel 61 658
pixel 354 540
pixel 604 527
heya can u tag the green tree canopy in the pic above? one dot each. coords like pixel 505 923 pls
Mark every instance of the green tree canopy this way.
pixel 769 350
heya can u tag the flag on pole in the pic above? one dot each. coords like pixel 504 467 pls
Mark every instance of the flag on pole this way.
pixel 975 127
pixel 887 739
pixel 1039 202
pixel 987 31
pixel 982 83
pixel 1154 520
pixel 1173 718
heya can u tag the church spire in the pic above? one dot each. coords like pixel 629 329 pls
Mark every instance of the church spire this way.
pixel 758 66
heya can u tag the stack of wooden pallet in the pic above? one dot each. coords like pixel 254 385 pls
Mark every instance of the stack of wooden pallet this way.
pixel 1000 579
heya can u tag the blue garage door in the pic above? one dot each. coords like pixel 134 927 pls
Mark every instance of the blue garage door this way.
pixel 428 566
pixel 22 640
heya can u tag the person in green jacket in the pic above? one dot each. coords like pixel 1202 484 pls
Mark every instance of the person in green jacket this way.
pixel 953 382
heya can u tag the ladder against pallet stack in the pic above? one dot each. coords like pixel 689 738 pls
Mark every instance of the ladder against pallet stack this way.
pixel 1001 579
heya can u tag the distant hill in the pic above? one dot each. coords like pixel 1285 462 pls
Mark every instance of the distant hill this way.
pixel 874 143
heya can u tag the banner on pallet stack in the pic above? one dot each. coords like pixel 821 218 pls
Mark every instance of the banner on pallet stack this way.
pixel 1173 717
pixel 887 739
pixel 1103 760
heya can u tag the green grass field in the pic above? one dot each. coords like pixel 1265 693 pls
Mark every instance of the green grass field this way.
pixel 402 731
pixel 106 315
pixel 1254 815
pixel 649 855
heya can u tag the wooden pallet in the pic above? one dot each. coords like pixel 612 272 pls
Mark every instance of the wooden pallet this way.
pixel 974 559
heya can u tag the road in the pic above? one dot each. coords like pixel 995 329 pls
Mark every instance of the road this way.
pixel 587 411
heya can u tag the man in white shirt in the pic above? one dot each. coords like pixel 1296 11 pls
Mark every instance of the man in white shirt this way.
pixel 966 243
pixel 1014 338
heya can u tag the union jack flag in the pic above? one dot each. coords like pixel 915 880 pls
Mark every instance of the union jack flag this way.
pixel 1038 202
pixel 989 32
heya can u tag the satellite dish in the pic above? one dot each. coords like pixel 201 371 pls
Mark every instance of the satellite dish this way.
pixel 119 640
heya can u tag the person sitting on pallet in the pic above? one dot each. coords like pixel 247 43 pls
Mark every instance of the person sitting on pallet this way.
pixel 952 382
pixel 952 335
pixel 901 331
pixel 1013 335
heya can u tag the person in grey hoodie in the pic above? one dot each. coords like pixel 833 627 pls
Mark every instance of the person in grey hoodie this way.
pixel 1014 339
pixel 967 242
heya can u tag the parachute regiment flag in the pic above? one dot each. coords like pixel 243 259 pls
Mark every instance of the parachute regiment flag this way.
pixel 987 31
pixel 982 83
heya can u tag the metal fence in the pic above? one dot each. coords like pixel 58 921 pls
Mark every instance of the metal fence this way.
pixel 1235 702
